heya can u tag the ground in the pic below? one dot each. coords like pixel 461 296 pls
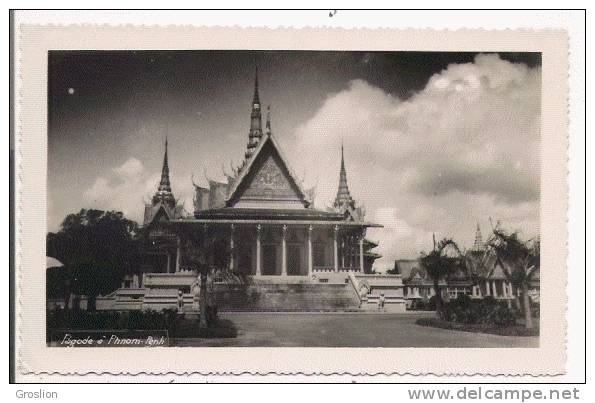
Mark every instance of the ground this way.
pixel 348 330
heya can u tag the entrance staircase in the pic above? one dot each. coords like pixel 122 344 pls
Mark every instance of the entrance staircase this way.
pixel 286 298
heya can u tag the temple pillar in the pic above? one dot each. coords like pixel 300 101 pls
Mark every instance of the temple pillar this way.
pixel 168 262
pixel 258 257
pixel 335 249
pixel 284 251
pixel 310 260
pixel 343 250
pixel 361 254
pixel 178 255
pixel 495 291
pixel 231 248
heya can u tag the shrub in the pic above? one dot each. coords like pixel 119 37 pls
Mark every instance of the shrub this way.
pixel 486 311
pixel 111 320
pixel 211 315
pixel 423 304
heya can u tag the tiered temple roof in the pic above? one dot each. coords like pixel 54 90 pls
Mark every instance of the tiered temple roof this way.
pixel 478 245
pixel 343 197
pixel 163 204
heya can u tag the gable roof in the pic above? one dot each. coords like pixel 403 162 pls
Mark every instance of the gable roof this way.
pixel 250 164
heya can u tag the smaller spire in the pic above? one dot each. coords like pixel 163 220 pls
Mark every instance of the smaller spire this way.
pixel 343 196
pixel 164 190
pixel 478 244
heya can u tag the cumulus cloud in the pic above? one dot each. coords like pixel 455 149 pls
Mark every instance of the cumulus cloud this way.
pixel 128 186
pixel 464 148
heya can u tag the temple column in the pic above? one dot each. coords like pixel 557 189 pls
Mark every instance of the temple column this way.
pixel 487 288
pixel 336 262
pixel 178 255
pixel 495 291
pixel 258 257
pixel 284 252
pixel 361 254
pixel 310 260
pixel 343 249
pixel 231 248
pixel 168 262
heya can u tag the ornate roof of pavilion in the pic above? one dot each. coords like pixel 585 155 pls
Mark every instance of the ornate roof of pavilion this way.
pixel 164 193
pixel 478 245
pixel 265 188
pixel 270 214
pixel 163 204
pixel 267 176
pixel 343 197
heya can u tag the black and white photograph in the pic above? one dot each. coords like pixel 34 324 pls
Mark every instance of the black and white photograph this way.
pixel 293 198
pixel 200 201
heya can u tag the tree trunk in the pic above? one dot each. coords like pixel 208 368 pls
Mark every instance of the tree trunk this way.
pixel 438 297
pixel 67 300
pixel 203 299
pixel 517 300
pixel 527 307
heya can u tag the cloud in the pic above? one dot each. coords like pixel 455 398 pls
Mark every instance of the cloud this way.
pixel 129 186
pixel 464 148
pixel 130 169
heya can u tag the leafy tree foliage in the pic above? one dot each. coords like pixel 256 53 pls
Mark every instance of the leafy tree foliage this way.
pixel 97 248
pixel 520 261
pixel 443 261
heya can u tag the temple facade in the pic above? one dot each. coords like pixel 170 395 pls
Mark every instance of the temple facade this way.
pixel 274 233
pixel 274 230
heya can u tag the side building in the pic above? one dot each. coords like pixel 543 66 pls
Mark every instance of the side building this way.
pixel 490 281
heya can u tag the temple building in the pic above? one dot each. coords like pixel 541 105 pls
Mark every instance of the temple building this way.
pixel 490 279
pixel 275 236
pixel 274 230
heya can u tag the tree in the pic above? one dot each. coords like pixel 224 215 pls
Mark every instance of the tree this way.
pixel 441 262
pixel 207 251
pixel 97 248
pixel 520 260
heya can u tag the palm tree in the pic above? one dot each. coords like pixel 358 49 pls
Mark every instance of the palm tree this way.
pixel 520 260
pixel 442 261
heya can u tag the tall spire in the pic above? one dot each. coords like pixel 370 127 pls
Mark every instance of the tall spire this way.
pixel 164 190
pixel 478 244
pixel 255 119
pixel 343 197
pixel 256 98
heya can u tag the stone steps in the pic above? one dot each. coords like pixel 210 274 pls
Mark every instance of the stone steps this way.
pixel 286 297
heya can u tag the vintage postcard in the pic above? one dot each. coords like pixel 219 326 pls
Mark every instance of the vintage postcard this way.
pixel 318 201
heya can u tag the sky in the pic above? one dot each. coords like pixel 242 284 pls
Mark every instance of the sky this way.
pixel 435 142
